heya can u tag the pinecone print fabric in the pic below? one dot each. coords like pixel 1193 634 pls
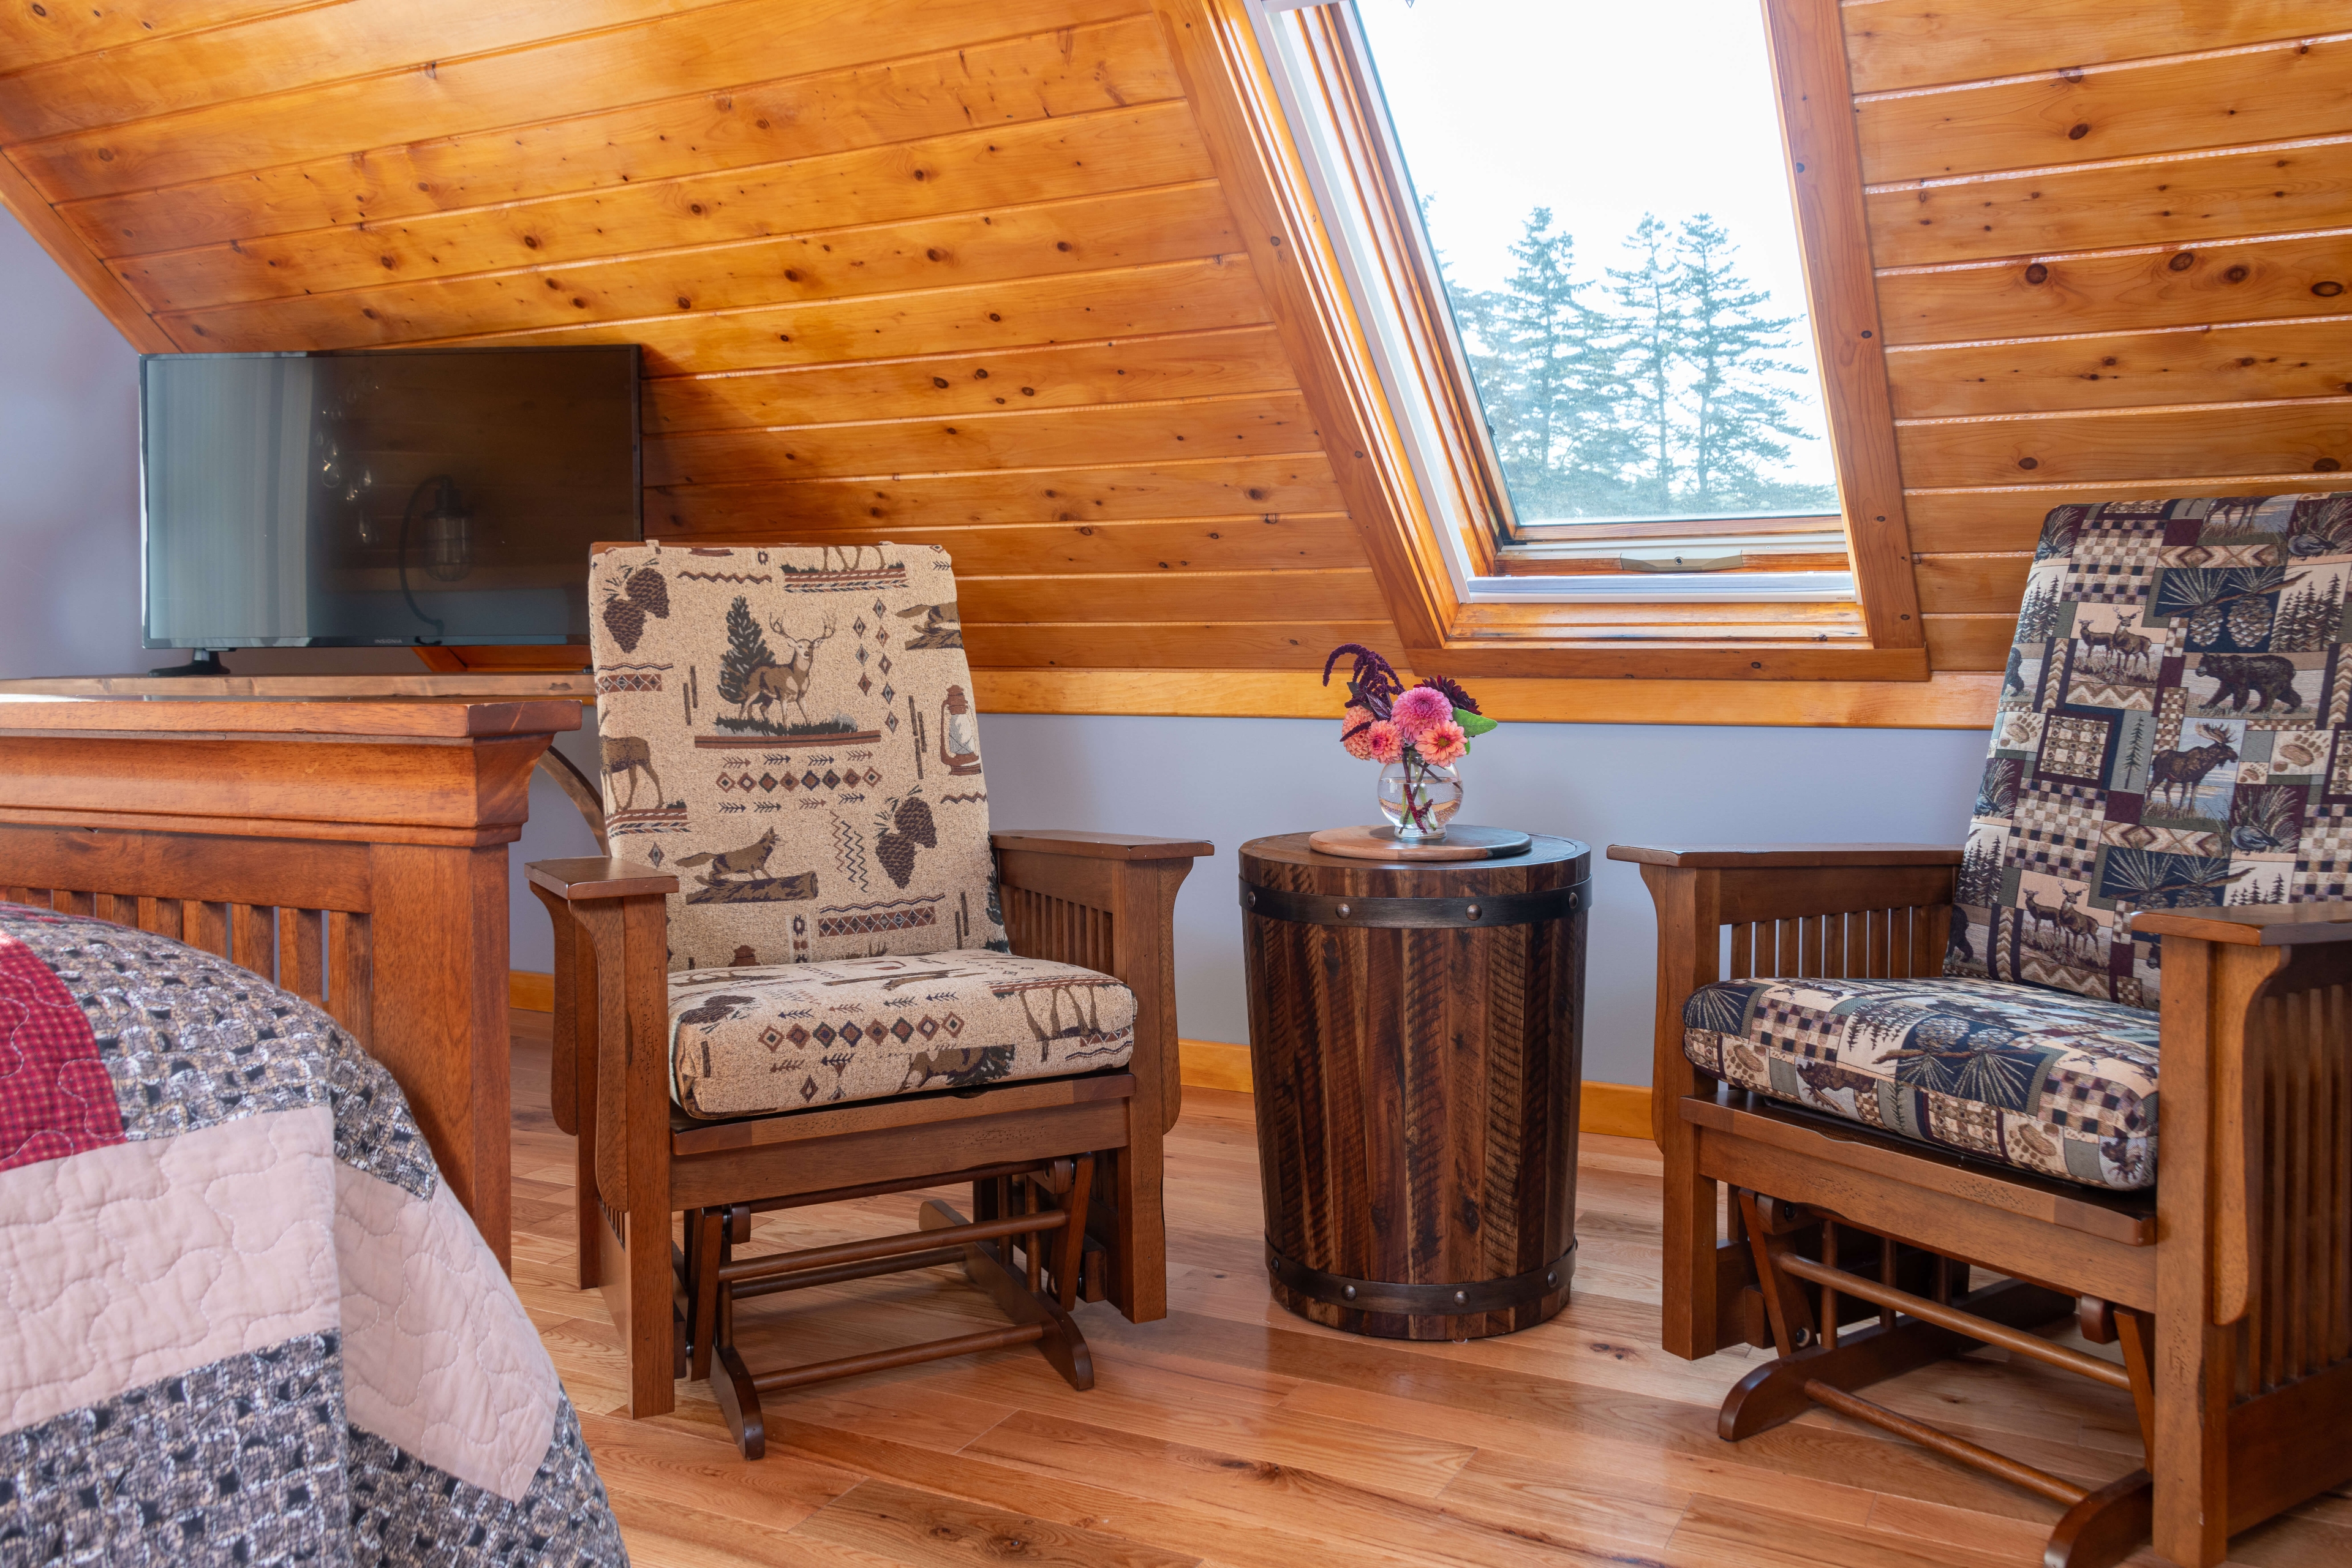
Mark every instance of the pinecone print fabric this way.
pixel 2171 734
pixel 790 731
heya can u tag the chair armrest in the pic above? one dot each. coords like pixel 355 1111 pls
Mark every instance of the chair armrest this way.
pixel 1106 901
pixel 597 877
pixel 2273 925
pixel 1101 846
pixel 1749 857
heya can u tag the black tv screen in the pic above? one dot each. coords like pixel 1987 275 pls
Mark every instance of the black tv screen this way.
pixel 382 498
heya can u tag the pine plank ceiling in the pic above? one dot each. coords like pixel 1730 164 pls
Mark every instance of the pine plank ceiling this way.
pixel 963 272
pixel 960 273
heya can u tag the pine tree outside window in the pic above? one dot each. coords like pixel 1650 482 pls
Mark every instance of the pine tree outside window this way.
pixel 1606 273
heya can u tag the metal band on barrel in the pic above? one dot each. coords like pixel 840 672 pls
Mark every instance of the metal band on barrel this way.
pixel 1491 910
pixel 1424 1300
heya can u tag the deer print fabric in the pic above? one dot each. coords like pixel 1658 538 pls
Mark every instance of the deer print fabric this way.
pixel 2171 734
pixel 789 731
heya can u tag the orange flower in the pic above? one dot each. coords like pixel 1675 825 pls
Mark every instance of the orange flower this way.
pixel 1387 741
pixel 1355 732
pixel 1443 745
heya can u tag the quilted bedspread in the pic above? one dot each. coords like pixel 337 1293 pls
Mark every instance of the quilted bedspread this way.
pixel 242 1320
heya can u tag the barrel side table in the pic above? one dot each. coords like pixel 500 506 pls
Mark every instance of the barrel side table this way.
pixel 1416 1037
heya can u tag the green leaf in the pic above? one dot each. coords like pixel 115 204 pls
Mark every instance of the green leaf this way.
pixel 1473 723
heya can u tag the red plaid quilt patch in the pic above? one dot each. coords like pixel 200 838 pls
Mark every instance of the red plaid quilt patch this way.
pixel 55 1097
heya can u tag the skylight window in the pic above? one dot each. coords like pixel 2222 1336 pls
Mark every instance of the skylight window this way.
pixel 1619 249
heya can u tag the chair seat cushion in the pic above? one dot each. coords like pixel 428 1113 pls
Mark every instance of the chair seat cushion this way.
pixel 747 1041
pixel 2062 1086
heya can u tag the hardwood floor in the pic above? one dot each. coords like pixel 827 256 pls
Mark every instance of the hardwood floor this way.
pixel 1232 1434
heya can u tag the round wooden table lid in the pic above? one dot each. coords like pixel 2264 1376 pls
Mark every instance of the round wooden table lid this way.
pixel 1460 843
pixel 1299 849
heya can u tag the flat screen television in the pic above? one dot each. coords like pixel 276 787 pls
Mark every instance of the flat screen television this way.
pixel 381 498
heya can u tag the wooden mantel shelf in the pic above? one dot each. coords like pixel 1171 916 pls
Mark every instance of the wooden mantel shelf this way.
pixel 189 714
pixel 579 686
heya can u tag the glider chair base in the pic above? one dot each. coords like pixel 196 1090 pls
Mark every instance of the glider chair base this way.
pixel 1026 1205
pixel 2228 1286
pixel 1822 1365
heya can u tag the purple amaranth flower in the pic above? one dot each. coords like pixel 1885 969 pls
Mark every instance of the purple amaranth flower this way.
pixel 1372 683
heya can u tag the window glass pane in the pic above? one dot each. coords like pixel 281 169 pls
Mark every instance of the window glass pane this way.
pixel 1605 187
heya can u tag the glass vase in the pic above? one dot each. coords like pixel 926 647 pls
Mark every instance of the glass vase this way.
pixel 1419 798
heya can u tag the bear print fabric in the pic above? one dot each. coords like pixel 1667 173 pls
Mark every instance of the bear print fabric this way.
pixel 2171 734
pixel 2059 1085
pixel 790 732
pixel 783 1037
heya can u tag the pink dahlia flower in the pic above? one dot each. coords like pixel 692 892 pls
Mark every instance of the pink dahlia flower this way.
pixel 1356 732
pixel 1443 745
pixel 1418 709
pixel 1386 740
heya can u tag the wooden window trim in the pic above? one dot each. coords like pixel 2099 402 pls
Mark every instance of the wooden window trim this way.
pixel 1442 618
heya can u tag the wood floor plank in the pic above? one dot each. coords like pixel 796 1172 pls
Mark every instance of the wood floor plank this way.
pixel 904 1525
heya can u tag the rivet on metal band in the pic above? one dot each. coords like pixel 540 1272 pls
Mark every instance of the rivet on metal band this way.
pixel 1488 909
pixel 1423 1301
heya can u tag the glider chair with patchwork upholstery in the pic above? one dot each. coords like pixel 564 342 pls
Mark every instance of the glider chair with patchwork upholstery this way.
pixel 809 973
pixel 1914 1066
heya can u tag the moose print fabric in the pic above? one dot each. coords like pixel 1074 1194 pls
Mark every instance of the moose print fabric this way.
pixel 790 732
pixel 2171 734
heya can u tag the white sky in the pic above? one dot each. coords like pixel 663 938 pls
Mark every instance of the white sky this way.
pixel 1602 112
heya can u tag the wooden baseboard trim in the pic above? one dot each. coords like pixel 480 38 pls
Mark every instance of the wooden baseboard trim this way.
pixel 1214 1064
pixel 529 991
pixel 1618 1109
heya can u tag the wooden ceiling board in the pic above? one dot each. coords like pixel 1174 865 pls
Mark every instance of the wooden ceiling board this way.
pixel 2122 290
pixel 1123 370
pixel 1008 82
pixel 1123 229
pixel 1274 542
pixel 2313 435
pixel 2291 87
pixel 1235 596
pixel 2230 363
pixel 1257 425
pixel 1216 489
pixel 2181 200
pixel 1193 295
pixel 2010 518
pixel 1900 44
pixel 1973 583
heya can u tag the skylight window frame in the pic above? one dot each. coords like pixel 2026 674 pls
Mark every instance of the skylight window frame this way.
pixel 1319 65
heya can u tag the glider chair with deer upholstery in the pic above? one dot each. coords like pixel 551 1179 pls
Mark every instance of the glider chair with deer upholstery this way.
pixel 1914 1066
pixel 808 975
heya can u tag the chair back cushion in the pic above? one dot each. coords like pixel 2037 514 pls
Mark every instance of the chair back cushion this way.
pixel 790 731
pixel 2171 734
